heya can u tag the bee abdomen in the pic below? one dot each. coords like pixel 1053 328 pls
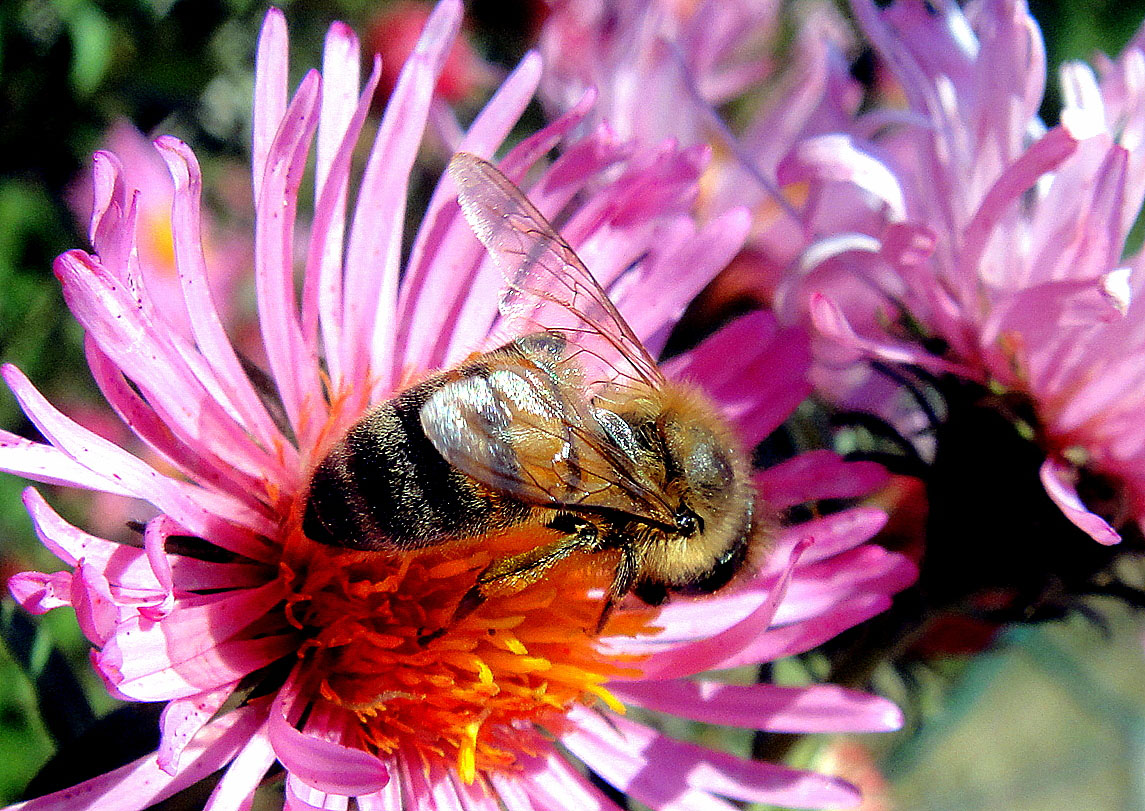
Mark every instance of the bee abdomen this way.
pixel 384 485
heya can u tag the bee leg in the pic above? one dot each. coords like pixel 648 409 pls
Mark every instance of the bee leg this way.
pixel 512 574
pixel 622 582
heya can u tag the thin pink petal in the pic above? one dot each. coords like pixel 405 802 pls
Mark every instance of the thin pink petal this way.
pixel 39 593
pixel 711 653
pixel 206 324
pixel 196 462
pixel 236 790
pixel 181 721
pixel 816 475
pixel 293 364
pixel 140 479
pixel 321 764
pixel 557 786
pixel 322 294
pixel 666 773
pixel 130 678
pixel 831 534
pixel 428 784
pixel 270 78
pixel 1057 480
pixel 374 246
pixel 800 710
pixel 427 302
pixel 301 797
pixel 801 637
pixel 50 465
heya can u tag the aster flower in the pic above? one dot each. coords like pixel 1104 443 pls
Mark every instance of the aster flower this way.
pixel 276 655
pixel 1014 236
pixel 664 69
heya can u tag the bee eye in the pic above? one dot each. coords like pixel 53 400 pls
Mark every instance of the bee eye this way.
pixel 688 523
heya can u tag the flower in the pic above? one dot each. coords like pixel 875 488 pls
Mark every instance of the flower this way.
pixel 1014 235
pixel 270 649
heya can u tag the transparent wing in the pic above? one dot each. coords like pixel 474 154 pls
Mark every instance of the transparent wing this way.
pixel 518 422
pixel 547 285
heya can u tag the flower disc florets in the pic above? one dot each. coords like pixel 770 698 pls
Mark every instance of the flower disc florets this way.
pixel 383 645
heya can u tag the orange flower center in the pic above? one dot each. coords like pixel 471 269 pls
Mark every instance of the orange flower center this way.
pixel 384 645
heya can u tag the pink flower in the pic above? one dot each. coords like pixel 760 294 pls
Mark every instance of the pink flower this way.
pixel 662 69
pixel 1009 245
pixel 270 649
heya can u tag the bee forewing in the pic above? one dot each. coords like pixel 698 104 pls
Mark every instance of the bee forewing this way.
pixel 521 425
pixel 547 286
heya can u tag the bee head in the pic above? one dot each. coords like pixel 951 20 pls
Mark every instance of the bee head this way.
pixel 707 483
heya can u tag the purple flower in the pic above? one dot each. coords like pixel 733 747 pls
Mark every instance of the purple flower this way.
pixel 270 649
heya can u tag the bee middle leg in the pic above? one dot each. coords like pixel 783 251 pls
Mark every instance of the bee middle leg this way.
pixel 511 574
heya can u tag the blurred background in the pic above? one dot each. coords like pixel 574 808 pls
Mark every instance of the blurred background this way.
pixel 1047 717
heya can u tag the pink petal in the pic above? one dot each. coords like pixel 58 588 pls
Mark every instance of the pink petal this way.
pixel 557 786
pixel 131 678
pixel 44 463
pixel 428 304
pixel 832 323
pixel 712 652
pixel 801 637
pixel 206 324
pixel 816 475
pixel 836 157
pixel 39 593
pixel 301 797
pixel 270 78
pixel 293 364
pixel 818 587
pixel 819 708
pixel 128 567
pixel 108 232
pixel 321 764
pixel 427 785
pixel 1058 481
pixel 98 612
pixel 1044 156
pixel 831 535
pixel 236 790
pixel 196 462
pixel 190 651
pixel 96 453
pixel 665 773
pixel 181 721
pixel 323 290
pixel 374 246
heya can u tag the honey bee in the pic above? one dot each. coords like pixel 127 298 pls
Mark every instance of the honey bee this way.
pixel 570 427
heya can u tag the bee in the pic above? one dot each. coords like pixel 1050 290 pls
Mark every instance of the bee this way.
pixel 570 427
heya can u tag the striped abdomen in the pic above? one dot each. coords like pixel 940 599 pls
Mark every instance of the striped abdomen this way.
pixel 384 485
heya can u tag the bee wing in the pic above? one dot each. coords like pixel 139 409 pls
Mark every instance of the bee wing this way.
pixel 522 425
pixel 541 270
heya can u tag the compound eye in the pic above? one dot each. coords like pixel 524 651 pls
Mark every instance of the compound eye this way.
pixel 688 523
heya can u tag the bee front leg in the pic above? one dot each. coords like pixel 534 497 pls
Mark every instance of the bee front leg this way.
pixel 622 582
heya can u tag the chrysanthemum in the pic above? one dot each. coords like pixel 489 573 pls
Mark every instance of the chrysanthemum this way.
pixel 278 657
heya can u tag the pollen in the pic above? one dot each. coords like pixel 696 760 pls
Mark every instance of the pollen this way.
pixel 383 646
